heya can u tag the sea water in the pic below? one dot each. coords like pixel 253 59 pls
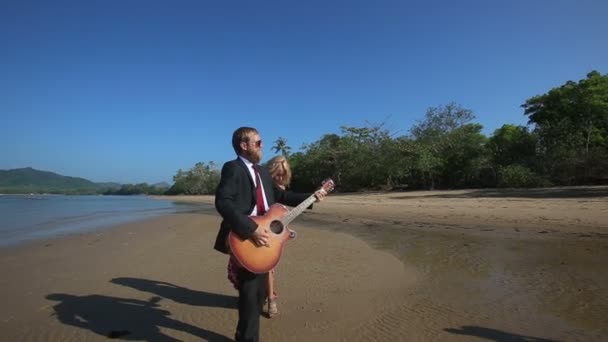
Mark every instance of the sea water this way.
pixel 30 217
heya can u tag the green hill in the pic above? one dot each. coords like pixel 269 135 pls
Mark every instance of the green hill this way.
pixel 29 180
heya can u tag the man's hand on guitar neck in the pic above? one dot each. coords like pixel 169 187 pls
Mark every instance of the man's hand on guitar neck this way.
pixel 320 195
pixel 261 237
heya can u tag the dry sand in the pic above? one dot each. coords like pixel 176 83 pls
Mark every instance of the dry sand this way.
pixel 414 266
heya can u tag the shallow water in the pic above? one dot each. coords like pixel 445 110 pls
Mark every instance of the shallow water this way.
pixel 31 217
pixel 495 287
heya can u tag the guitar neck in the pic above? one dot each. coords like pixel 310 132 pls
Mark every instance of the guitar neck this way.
pixel 295 212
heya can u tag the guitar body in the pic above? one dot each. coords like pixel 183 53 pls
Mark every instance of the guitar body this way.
pixel 263 259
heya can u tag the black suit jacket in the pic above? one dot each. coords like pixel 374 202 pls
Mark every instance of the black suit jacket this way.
pixel 235 198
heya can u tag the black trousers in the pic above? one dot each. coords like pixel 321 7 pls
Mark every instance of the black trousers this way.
pixel 252 292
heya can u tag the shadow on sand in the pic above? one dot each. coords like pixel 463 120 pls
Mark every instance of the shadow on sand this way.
pixel 179 294
pixel 572 192
pixel 495 335
pixel 123 318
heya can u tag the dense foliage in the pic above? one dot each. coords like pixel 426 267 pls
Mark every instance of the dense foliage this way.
pixel 571 123
pixel 199 180
pixel 137 189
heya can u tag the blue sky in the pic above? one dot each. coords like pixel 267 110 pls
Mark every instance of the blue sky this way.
pixel 132 91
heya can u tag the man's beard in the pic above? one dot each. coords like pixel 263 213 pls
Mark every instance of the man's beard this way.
pixel 254 156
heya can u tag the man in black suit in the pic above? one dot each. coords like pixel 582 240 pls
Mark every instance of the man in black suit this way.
pixel 236 199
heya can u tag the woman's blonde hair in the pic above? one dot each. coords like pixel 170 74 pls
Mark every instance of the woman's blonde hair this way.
pixel 278 164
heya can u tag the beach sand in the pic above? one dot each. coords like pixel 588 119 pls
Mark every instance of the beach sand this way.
pixel 480 265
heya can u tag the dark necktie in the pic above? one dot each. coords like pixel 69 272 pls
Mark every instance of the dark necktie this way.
pixel 259 200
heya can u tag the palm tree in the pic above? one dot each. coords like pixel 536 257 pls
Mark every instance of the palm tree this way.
pixel 280 145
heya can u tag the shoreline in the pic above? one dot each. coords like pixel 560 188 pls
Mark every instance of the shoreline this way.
pixel 26 221
pixel 364 267
pixel 568 212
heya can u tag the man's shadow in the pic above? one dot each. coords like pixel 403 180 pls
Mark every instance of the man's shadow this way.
pixel 495 335
pixel 179 294
pixel 124 318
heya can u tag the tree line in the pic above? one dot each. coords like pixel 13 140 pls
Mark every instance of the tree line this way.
pixel 564 143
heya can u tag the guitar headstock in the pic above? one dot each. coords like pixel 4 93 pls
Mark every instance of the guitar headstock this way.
pixel 328 185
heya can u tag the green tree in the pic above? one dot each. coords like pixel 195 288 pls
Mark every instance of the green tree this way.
pixel 441 120
pixel 280 145
pixel 428 164
pixel 361 158
pixel 200 180
pixel 318 161
pixel 572 125
pixel 512 144
pixel 450 148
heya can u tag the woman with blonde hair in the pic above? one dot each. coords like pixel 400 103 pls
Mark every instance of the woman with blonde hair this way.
pixel 281 176
pixel 280 171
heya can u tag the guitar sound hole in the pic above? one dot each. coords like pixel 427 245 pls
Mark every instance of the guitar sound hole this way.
pixel 276 227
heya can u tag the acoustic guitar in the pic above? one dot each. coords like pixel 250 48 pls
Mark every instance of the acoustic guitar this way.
pixel 262 259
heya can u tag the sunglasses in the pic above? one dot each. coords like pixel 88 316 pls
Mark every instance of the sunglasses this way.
pixel 256 143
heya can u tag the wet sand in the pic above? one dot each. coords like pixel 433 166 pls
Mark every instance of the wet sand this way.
pixel 414 266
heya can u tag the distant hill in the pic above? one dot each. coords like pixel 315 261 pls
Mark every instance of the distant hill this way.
pixel 29 180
